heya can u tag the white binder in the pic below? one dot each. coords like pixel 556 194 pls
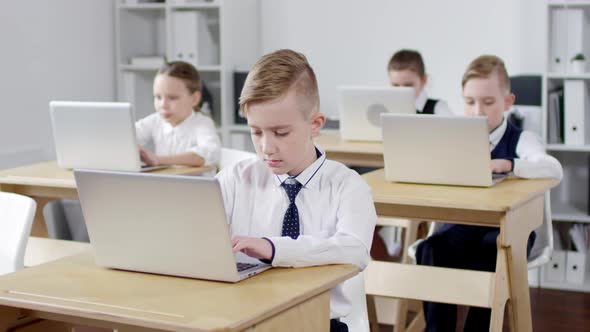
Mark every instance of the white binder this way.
pixel 192 39
pixel 558 30
pixel 576 106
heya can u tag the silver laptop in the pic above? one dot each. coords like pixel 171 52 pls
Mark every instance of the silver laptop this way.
pixel 164 224
pixel 361 108
pixel 96 135
pixel 450 150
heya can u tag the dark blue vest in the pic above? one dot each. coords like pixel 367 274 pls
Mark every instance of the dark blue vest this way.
pixel 428 107
pixel 506 148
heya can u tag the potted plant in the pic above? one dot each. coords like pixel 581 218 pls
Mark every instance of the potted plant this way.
pixel 579 63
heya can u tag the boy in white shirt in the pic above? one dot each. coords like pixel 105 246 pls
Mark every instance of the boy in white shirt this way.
pixel 486 92
pixel 291 206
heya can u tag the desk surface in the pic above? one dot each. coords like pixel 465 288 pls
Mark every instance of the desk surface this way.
pixel 51 175
pixel 333 142
pixel 75 286
pixel 444 202
pixel 351 153
pixel 44 250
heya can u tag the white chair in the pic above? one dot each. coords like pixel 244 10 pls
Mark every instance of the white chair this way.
pixel 543 247
pixel 230 157
pixel 16 218
pixel 358 319
pixel 65 221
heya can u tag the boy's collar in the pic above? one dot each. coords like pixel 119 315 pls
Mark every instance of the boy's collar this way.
pixel 421 100
pixel 307 175
pixel 496 134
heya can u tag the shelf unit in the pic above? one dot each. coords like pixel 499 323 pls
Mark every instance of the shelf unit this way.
pixel 145 28
pixel 568 33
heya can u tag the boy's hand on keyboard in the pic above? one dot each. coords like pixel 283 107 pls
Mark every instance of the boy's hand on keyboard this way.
pixel 147 157
pixel 252 246
pixel 501 166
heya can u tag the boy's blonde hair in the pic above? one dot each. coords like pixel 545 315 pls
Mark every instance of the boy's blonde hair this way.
pixel 275 74
pixel 485 66
pixel 407 59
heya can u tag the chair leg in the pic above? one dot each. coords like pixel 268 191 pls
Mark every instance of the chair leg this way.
pixel 372 312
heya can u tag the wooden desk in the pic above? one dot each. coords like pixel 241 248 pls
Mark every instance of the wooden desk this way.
pixel 46 181
pixel 42 250
pixel 351 153
pixel 75 291
pixel 513 205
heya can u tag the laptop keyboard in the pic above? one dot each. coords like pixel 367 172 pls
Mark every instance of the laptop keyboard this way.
pixel 245 266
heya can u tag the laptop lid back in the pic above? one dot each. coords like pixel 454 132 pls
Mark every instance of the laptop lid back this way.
pixel 165 224
pixel 94 135
pixel 361 108
pixel 452 150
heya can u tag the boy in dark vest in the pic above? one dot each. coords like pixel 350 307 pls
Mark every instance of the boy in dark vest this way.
pixel 406 68
pixel 486 92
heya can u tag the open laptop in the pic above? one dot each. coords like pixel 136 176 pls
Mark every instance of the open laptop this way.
pixel 361 108
pixel 450 150
pixel 96 135
pixel 164 224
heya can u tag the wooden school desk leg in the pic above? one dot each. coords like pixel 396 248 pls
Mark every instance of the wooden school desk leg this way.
pixel 514 232
pixel 372 313
pixel 410 236
pixel 418 324
pixel 499 296
pixel 401 316
pixel 39 227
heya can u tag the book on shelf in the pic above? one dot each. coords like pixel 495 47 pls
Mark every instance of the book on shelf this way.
pixel 555 117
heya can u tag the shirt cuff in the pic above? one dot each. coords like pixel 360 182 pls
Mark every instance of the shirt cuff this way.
pixel 210 155
pixel 513 164
pixel 272 257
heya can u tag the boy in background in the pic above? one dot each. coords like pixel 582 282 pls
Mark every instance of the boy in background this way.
pixel 486 92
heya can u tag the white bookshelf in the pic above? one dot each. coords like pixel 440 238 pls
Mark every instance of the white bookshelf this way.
pixel 569 213
pixel 568 33
pixel 230 30
pixel 569 76
pixel 570 148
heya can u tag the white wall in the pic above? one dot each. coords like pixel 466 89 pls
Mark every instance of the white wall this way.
pixel 351 41
pixel 59 49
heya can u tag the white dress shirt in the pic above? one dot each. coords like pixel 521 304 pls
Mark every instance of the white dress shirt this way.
pixel 336 215
pixel 195 134
pixel 440 108
pixel 532 161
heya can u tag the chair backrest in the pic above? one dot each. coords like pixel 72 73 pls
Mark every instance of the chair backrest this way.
pixel 65 221
pixel 16 217
pixel 358 318
pixel 230 157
